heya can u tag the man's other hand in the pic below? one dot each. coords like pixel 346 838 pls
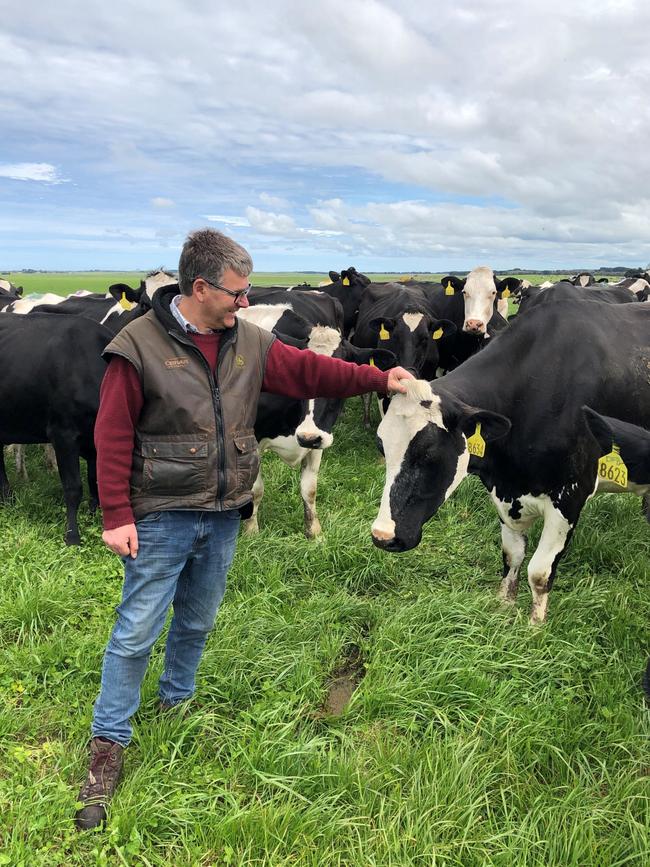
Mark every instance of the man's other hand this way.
pixel 396 378
pixel 122 540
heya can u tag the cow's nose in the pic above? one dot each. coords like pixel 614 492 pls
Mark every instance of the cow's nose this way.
pixel 475 326
pixel 381 538
pixel 310 441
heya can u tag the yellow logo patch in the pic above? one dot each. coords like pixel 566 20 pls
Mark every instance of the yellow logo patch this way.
pixel 173 363
pixel 239 360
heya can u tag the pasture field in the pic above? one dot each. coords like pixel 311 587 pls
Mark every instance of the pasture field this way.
pixel 471 740
pixel 65 283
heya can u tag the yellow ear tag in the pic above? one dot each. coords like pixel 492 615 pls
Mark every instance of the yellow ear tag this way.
pixel 346 281
pixel 611 468
pixel 449 289
pixel 125 304
pixel 383 334
pixel 372 362
pixel 505 293
pixel 476 443
pixel 437 334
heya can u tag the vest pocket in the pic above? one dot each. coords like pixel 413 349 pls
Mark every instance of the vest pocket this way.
pixel 174 468
pixel 248 459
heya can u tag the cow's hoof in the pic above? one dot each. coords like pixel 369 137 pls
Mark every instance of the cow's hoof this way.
pixel 314 532
pixel 251 527
pixel 93 505
pixel 72 538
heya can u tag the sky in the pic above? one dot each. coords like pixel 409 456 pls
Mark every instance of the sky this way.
pixel 392 136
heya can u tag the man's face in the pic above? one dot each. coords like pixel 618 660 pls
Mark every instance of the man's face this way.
pixel 218 309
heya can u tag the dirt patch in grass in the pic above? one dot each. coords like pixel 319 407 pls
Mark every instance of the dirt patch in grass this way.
pixel 343 683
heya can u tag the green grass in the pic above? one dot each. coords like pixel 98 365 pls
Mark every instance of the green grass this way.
pixel 472 740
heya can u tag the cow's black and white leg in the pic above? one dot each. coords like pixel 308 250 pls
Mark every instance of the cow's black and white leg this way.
pixel 366 400
pixel 18 452
pixel 67 458
pixel 553 541
pixel 50 457
pixel 309 467
pixel 250 525
pixel 5 488
pixel 513 548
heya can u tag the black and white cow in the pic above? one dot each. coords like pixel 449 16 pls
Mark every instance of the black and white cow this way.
pixel 49 392
pixel 399 318
pixel 633 443
pixel 557 292
pixel 298 431
pixel 9 293
pixel 517 407
pixel 483 295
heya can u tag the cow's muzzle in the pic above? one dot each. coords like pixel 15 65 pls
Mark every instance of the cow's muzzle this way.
pixel 474 326
pixel 310 441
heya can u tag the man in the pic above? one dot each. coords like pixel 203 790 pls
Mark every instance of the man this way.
pixel 176 460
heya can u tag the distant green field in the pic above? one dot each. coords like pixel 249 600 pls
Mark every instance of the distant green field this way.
pixel 66 282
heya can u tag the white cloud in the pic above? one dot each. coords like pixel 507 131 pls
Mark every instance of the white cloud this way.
pixel 41 172
pixel 274 202
pixel 162 202
pixel 270 223
pixel 226 220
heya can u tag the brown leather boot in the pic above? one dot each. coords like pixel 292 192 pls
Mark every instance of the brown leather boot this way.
pixel 104 771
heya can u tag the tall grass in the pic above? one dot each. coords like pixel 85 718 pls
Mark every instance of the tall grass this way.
pixel 471 740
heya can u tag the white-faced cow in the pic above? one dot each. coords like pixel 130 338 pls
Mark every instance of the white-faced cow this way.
pixel 298 430
pixel 512 416
pixel 483 294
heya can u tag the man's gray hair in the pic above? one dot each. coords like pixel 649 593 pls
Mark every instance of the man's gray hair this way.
pixel 209 254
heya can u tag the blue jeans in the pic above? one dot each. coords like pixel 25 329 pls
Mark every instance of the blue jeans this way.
pixel 183 558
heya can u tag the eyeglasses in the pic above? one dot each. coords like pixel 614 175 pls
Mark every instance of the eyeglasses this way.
pixel 243 293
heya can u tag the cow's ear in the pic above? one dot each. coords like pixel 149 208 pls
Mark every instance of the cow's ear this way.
pixel 384 359
pixel 297 342
pixel 508 286
pixel 440 328
pixel 383 326
pixel 493 424
pixel 334 276
pixel 119 289
pixel 18 291
pixel 599 428
pixel 453 284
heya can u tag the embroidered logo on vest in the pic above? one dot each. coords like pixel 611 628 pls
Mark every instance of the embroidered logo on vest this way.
pixel 239 360
pixel 176 362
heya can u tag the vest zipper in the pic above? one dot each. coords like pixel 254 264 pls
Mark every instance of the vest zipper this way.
pixel 216 402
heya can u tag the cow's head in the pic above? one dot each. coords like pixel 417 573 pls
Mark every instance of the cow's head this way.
pixel 411 337
pixel 481 292
pixel 424 439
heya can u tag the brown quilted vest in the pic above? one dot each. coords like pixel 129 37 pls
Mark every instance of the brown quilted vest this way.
pixel 195 447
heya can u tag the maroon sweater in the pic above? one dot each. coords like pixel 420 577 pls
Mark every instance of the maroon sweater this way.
pixel 291 372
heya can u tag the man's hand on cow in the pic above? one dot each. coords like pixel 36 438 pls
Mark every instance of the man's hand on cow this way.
pixel 396 378
pixel 122 540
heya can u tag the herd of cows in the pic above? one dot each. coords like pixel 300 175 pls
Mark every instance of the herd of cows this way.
pixel 546 407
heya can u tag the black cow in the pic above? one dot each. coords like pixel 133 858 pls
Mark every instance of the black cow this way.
pixel 299 430
pixel 49 392
pixel 557 292
pixel 399 318
pixel 512 415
